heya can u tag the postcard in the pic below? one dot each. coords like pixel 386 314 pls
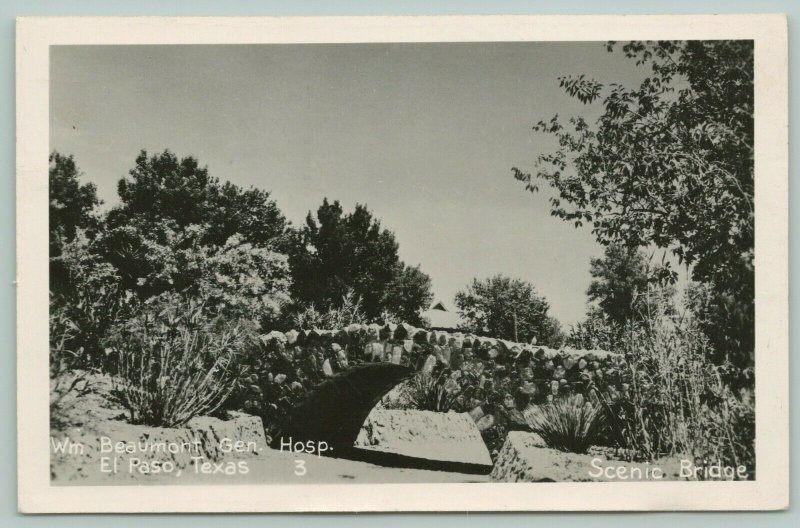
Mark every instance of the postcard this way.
pixel 479 263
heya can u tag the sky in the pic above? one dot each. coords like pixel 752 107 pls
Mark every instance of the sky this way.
pixel 424 134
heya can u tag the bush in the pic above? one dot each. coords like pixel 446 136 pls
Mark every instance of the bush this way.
pixel 442 390
pixel 174 363
pixel 270 382
pixel 568 423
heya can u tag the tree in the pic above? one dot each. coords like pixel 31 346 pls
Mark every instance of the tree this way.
pixel 163 190
pixel 620 282
pixel 236 279
pixel 595 332
pixel 73 208
pixel 407 294
pixel 336 253
pixel 508 309
pixel 668 163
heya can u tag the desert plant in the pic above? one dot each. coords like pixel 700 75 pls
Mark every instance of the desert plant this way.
pixel 568 423
pixel 442 390
pixel 174 363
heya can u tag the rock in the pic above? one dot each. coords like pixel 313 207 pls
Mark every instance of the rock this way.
pixel 354 329
pixel 446 353
pixel 404 331
pixel 429 364
pixel 426 435
pixel 397 353
pixel 485 422
pixel 327 369
pixel 525 458
pixel 374 331
pixel 374 351
pixel 476 413
pixel 274 339
pixel 291 337
pixel 421 336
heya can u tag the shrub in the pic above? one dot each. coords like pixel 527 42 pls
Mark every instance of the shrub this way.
pixel 442 390
pixel 174 363
pixel 568 423
pixel 270 382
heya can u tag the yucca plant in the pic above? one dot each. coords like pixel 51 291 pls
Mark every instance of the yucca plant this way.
pixel 568 423
pixel 440 391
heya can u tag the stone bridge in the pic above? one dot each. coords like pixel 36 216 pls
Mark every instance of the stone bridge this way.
pixel 350 370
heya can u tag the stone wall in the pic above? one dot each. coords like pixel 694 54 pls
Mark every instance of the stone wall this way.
pixel 539 370
pixel 403 344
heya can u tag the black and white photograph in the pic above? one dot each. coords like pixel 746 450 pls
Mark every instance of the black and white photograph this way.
pixel 404 262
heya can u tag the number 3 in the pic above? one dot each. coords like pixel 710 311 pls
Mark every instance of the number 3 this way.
pixel 299 467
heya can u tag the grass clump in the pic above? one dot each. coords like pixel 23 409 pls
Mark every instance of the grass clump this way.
pixel 568 423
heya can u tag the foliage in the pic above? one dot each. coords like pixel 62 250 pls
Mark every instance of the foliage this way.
pixel 676 401
pixel 625 289
pixel 72 210
pixel 165 191
pixel 173 362
pixel 568 423
pixel 722 317
pixel 335 253
pixel 619 280
pixel 669 163
pixel 508 309
pixel 236 278
pixel 72 204
pixel 595 332
pixel 442 390
pixel 92 303
pixel 406 295
pixel 269 383
pixel 66 384
pixel 349 312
